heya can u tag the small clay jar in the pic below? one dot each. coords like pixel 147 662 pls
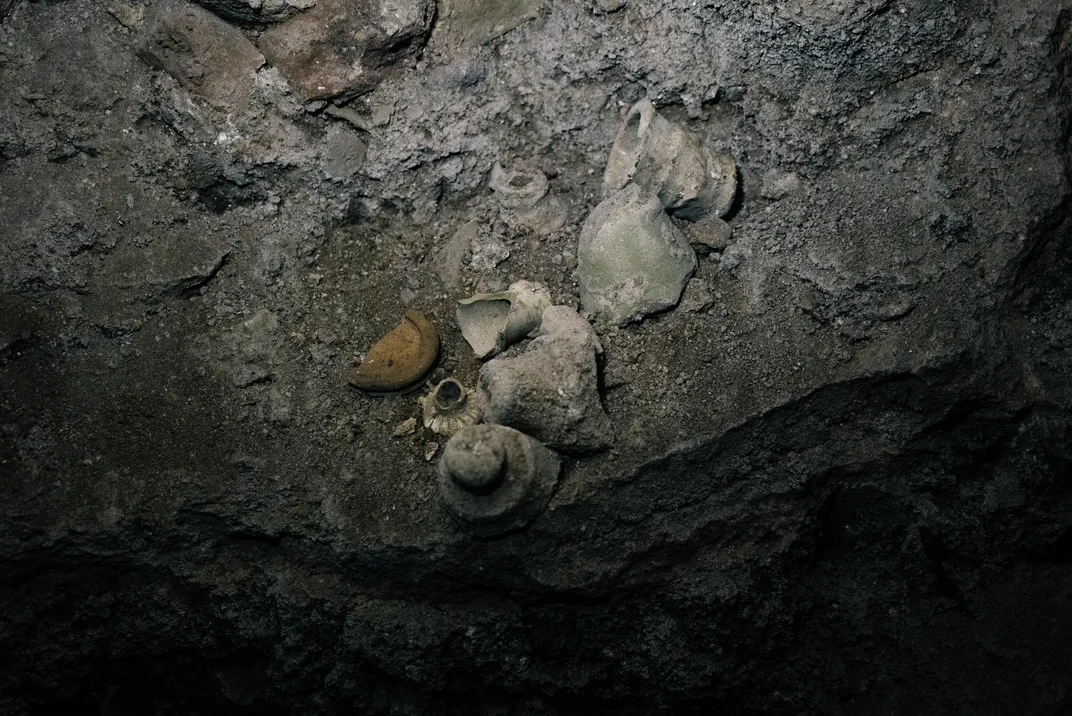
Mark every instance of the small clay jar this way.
pixel 690 179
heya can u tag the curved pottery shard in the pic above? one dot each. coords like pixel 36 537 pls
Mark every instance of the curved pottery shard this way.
pixel 400 359
pixel 490 322
pixel 690 179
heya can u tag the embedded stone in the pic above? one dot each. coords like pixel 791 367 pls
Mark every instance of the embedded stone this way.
pixel 256 12
pixel 470 23
pixel 207 56
pixel 340 48
pixel 551 390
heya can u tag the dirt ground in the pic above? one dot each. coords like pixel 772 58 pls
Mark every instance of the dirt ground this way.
pixel 841 478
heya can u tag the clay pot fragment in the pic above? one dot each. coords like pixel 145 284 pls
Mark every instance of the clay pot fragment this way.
pixel 526 201
pixel 490 322
pixel 631 259
pixel 518 190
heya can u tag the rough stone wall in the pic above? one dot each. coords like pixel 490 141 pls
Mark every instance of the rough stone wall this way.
pixel 841 473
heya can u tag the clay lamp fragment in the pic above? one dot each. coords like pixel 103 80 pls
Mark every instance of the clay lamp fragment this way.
pixel 490 322
pixel 401 359
pixel 449 408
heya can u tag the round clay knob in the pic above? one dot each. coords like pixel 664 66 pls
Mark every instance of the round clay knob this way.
pixel 476 465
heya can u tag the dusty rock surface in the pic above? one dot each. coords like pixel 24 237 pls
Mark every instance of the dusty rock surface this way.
pixel 843 487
